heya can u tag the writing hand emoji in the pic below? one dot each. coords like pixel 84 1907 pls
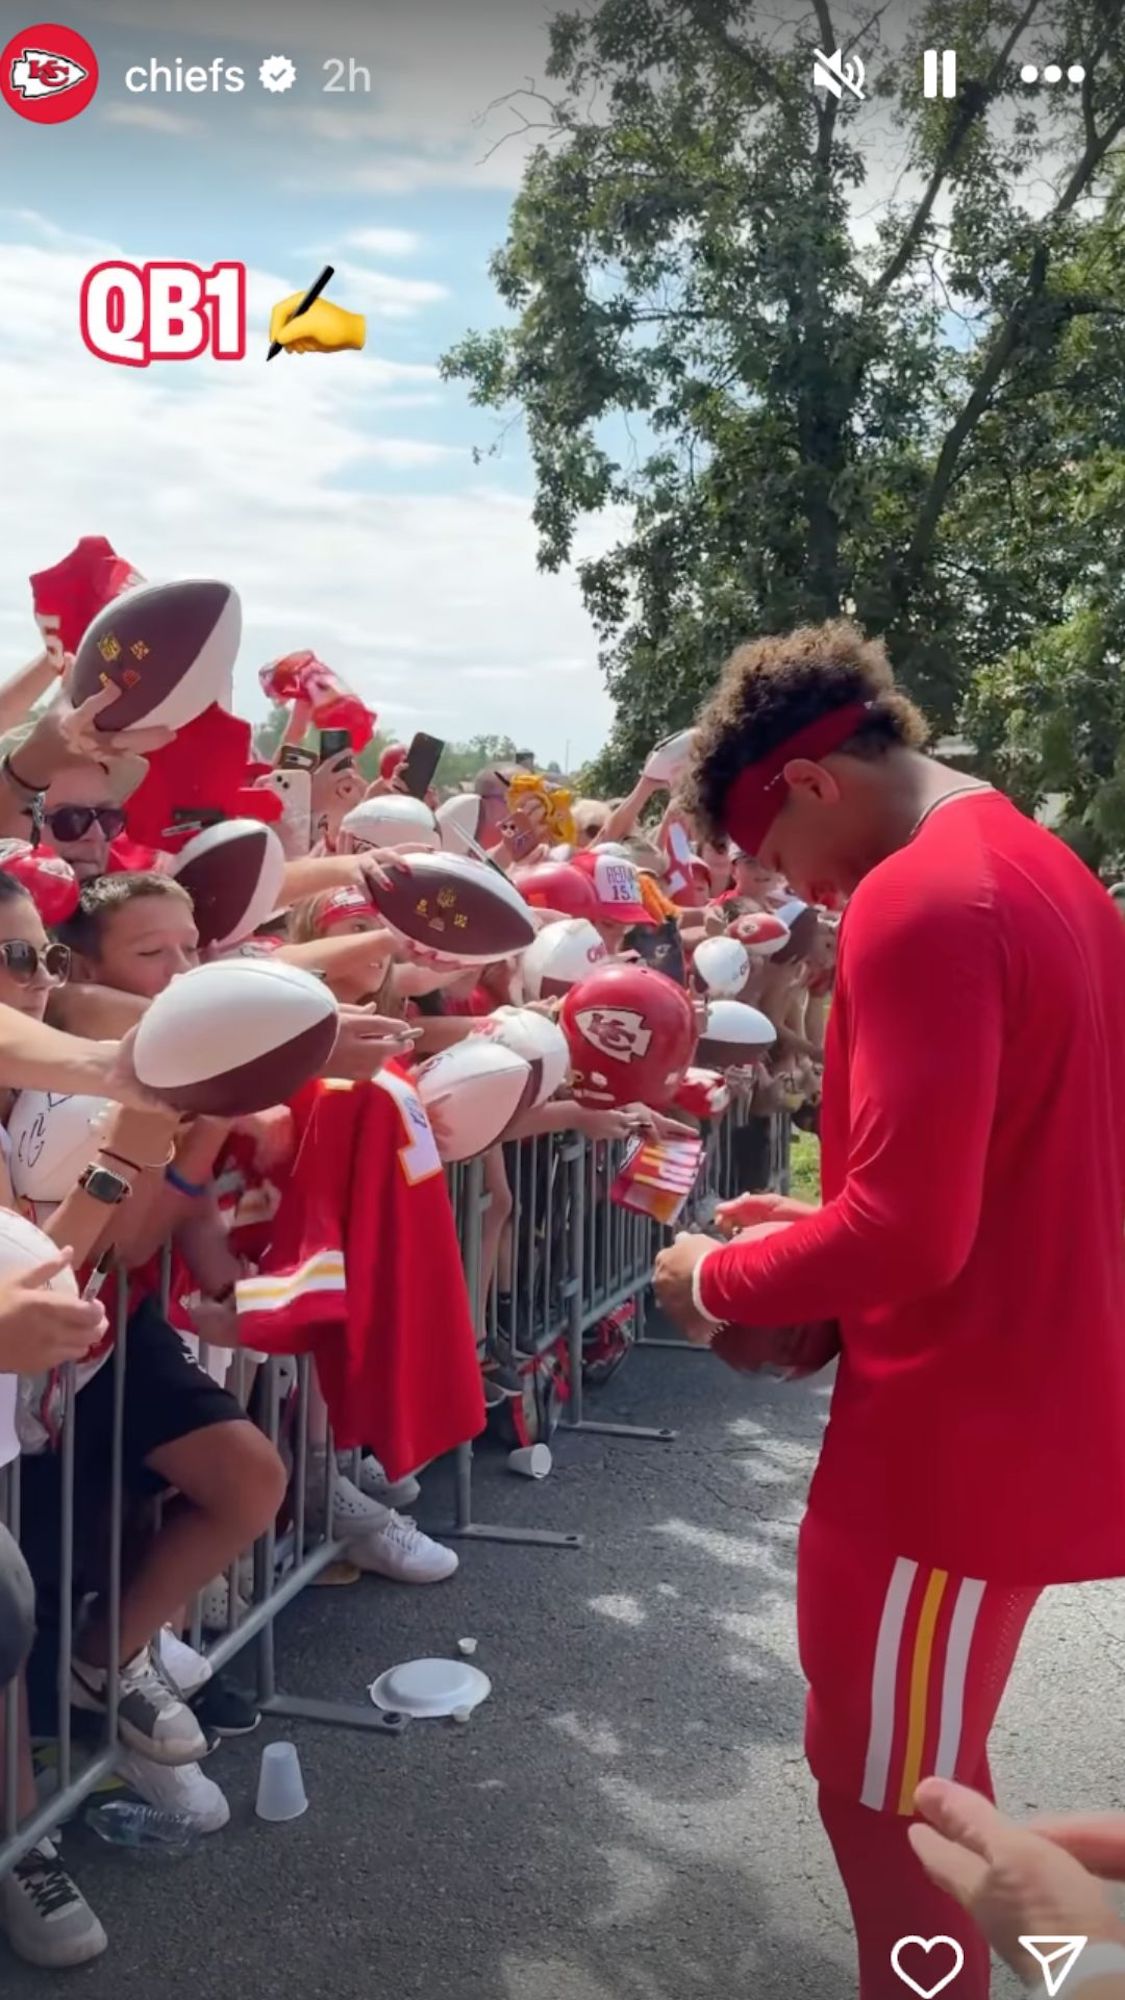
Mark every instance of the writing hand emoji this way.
pixel 323 329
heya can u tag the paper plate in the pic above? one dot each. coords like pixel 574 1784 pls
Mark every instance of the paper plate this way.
pixel 430 1688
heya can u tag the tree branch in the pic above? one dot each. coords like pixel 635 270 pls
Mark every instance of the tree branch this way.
pixel 973 101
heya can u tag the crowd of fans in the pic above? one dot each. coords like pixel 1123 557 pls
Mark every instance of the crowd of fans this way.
pixel 73 988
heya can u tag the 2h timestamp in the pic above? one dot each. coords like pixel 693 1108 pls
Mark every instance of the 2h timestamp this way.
pixel 344 73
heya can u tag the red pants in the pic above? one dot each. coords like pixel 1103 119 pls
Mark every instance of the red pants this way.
pixel 906 1667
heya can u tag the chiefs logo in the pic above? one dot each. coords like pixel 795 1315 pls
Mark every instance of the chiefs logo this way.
pixel 39 73
pixel 619 1032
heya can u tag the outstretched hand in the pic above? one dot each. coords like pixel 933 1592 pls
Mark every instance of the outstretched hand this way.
pixel 1012 1880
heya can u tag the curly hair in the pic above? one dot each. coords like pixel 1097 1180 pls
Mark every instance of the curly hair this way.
pixel 773 687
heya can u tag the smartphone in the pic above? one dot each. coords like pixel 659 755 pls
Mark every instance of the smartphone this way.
pixel 420 763
pixel 332 741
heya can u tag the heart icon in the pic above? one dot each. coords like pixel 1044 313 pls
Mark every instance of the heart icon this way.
pixel 928 1945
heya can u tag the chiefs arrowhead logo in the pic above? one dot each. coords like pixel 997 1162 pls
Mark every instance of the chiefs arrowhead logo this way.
pixel 48 73
pixel 619 1032
pixel 39 73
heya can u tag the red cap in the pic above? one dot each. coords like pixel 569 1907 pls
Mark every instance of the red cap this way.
pixel 392 757
pixel 616 884
pixel 49 880
pixel 341 905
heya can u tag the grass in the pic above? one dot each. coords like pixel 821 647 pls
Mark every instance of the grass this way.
pixel 804 1167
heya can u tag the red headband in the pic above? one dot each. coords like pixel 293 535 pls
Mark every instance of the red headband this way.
pixel 756 796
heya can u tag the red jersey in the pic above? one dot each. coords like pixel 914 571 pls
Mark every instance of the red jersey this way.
pixel 363 1270
pixel 971 1238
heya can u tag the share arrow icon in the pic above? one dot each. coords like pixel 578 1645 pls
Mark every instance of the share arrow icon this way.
pixel 1056 1958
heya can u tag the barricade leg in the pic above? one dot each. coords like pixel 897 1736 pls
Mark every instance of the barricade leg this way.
pixel 472 1201
pixel 589 1299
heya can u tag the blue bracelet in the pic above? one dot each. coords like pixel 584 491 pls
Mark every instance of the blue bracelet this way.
pixel 194 1188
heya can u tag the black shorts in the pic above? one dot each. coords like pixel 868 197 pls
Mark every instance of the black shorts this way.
pixel 167 1396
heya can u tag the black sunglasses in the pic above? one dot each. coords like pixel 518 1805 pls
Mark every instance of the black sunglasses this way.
pixel 21 960
pixel 74 822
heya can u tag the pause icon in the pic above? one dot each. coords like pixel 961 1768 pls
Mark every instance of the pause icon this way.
pixel 947 85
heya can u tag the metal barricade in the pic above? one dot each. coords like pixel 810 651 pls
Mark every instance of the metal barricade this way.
pixel 571 1256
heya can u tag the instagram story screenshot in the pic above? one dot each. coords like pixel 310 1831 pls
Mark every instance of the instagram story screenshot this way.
pixel 562 999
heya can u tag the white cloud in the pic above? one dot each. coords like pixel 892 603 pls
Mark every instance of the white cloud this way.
pixel 385 242
pixel 290 480
pixel 384 294
pixel 152 118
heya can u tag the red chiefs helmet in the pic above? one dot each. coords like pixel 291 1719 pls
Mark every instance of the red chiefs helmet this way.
pixel 49 880
pixel 555 885
pixel 631 1033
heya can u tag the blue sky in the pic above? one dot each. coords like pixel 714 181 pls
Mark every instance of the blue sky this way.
pixel 339 495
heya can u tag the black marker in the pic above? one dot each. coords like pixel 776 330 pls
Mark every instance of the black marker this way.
pixel 313 292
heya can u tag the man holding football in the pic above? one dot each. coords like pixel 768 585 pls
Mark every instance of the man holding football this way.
pixel 969 1247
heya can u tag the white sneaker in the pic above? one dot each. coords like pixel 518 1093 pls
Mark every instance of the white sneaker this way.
pixel 397 1548
pixel 152 1715
pixel 352 1512
pixel 184 1789
pixel 46 1918
pixel 374 1483
pixel 188 1669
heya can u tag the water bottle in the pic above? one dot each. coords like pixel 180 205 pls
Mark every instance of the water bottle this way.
pixel 124 1823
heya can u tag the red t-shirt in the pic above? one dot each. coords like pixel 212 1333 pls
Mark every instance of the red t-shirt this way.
pixel 971 1240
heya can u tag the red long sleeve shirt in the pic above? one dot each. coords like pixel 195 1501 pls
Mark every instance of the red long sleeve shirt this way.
pixel 971 1240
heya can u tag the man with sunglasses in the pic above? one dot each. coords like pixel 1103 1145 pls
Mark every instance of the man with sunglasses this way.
pixel 84 815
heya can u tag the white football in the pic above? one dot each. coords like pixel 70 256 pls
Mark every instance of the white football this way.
pixel 22 1246
pixel 391 821
pixel 669 760
pixel 471 1092
pixel 723 966
pixel 539 1041
pixel 233 873
pixel 53 1139
pixel 236 1036
pixel 458 821
pixel 563 953
pixel 734 1034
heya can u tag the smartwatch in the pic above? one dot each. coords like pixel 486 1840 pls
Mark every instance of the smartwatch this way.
pixel 102 1184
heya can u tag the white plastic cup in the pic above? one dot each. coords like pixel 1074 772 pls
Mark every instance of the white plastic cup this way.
pixel 281 1788
pixel 531 1461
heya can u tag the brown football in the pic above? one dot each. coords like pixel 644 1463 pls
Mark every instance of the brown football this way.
pixel 457 908
pixel 169 647
pixel 233 873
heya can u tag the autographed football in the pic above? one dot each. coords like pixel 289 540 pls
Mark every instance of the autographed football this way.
pixel 169 647
pixel 459 909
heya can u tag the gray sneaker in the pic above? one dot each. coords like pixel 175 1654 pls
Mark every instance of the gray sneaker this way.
pixel 47 1920
pixel 152 1715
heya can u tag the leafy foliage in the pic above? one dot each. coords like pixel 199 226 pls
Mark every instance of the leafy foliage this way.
pixel 820 355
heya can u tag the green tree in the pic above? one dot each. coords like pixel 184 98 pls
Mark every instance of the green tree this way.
pixel 821 355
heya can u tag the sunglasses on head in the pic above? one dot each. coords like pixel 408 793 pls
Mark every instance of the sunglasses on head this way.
pixel 74 822
pixel 21 960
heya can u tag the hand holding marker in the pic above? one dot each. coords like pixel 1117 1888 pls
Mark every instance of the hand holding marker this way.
pixel 329 330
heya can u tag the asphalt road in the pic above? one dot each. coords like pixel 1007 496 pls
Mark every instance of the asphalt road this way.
pixel 629 1817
